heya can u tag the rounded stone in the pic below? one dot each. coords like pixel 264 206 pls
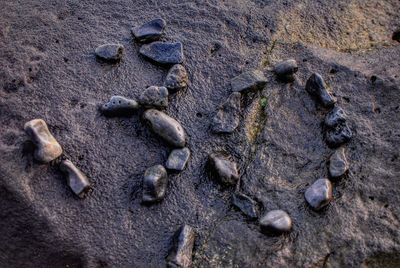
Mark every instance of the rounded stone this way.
pixel 76 180
pixel 150 31
pixel 155 182
pixel 285 70
pixel 177 159
pixel 223 169
pixel 110 52
pixel 338 164
pixel 154 96
pixel 276 222
pixel 319 194
pixel 119 106
pixel 317 88
pixel 176 79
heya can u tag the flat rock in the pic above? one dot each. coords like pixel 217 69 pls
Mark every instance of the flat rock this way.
pixel 338 164
pixel 110 52
pixel 76 180
pixel 285 70
pixel 47 148
pixel 223 169
pixel 177 78
pixel 150 31
pixel 335 117
pixel 317 88
pixel 180 253
pixel 177 159
pixel 155 182
pixel 338 135
pixel 247 205
pixel 163 52
pixel 319 194
pixel 276 222
pixel 251 80
pixel 154 96
pixel 166 127
pixel 226 120
pixel 119 106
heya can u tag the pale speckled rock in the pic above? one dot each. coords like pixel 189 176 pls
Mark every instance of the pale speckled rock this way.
pixel 276 222
pixel 163 52
pixel 285 70
pixel 154 96
pixel 226 119
pixel 119 106
pixel 223 169
pixel 247 205
pixel 319 194
pixel 177 159
pixel 47 148
pixel 335 117
pixel 317 88
pixel 251 80
pixel 338 164
pixel 110 52
pixel 180 253
pixel 155 182
pixel 177 78
pixel 150 31
pixel 338 135
pixel 76 180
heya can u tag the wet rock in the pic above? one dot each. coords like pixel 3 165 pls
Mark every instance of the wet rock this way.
pixel 76 180
pixel 47 147
pixel 154 97
pixel 150 31
pixel 338 135
pixel 285 70
pixel 251 80
pixel 180 254
pixel 177 78
pixel 247 205
pixel 276 222
pixel 335 117
pixel 396 35
pixel 317 88
pixel 163 52
pixel 338 164
pixel 155 182
pixel 110 52
pixel 119 106
pixel 177 159
pixel 319 194
pixel 226 119
pixel 166 127
pixel 223 169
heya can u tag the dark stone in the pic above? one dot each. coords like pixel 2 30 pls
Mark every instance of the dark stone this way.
pixel 180 253
pixel 150 31
pixel 319 194
pixel 251 80
pixel 177 78
pixel 223 169
pixel 76 180
pixel 226 119
pixel 276 222
pixel 317 88
pixel 335 117
pixel 338 135
pixel 247 205
pixel 285 70
pixel 110 52
pixel 338 165
pixel 154 97
pixel 166 127
pixel 396 35
pixel 163 52
pixel 155 182
pixel 119 106
pixel 177 159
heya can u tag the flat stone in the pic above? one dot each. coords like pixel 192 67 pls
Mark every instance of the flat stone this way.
pixel 251 80
pixel 119 106
pixel 335 117
pixel 150 31
pixel 177 78
pixel 154 96
pixel 163 52
pixel 177 159
pixel 166 127
pixel 338 135
pixel 319 194
pixel 223 169
pixel 338 164
pixel 180 253
pixel 226 120
pixel 285 70
pixel 47 148
pixel 76 180
pixel 247 205
pixel 155 182
pixel 276 222
pixel 110 52
pixel 317 88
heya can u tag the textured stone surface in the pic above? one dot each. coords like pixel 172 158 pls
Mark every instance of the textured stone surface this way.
pixel 338 164
pixel 335 117
pixel 338 135
pixel 276 222
pixel 150 31
pixel 177 78
pixel 247 205
pixel 155 182
pixel 163 52
pixel 319 194
pixel 317 88
pixel 223 169
pixel 180 254
pixel 285 70
pixel 154 96
pixel 119 106
pixel 76 180
pixel 110 52
pixel 177 159
pixel 226 119
pixel 250 80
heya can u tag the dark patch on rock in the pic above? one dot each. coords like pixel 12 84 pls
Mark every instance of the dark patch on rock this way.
pixel 223 169
pixel 317 88
pixel 396 35
pixel 338 164
pixel 177 78
pixel 251 80
pixel 338 135
pixel 319 194
pixel 247 205
pixel 110 52
pixel 76 180
pixel 227 117
pixel 285 70
pixel 119 106
pixel 177 159
pixel 150 31
pixel 180 253
pixel 163 52
pixel 275 222
pixel 154 96
pixel 155 182
pixel 335 117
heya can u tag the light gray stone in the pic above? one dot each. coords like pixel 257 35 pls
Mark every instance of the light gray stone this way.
pixel 338 164
pixel 154 96
pixel 177 78
pixel 177 159
pixel 276 222
pixel 110 52
pixel 76 180
pixel 319 194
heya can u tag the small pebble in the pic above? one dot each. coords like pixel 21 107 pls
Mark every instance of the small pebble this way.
pixel 338 135
pixel 110 52
pixel 47 148
pixel 276 222
pixel 177 78
pixel 166 127
pixel 285 70
pixel 163 52
pixel 251 80
pixel 317 88
pixel 150 31
pixel 319 194
pixel 338 164
pixel 119 106
pixel 180 253
pixel 335 117
pixel 226 120
pixel 155 182
pixel 247 205
pixel 154 97
pixel 177 159
pixel 76 180
pixel 223 169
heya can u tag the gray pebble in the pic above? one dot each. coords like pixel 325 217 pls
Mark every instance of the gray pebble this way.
pixel 247 205
pixel 76 180
pixel 317 88
pixel 180 253
pixel 177 78
pixel 155 182
pixel 150 31
pixel 163 52
pixel 177 159
pixel 285 70
pixel 319 194
pixel 110 52
pixel 119 106
pixel 338 135
pixel 251 80
pixel 223 169
pixel 276 222
pixel 335 117
pixel 226 120
pixel 338 164
pixel 154 96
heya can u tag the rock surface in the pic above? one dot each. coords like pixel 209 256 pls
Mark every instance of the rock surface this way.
pixel 247 205
pixel 177 78
pixel 317 88
pixel 150 31
pixel 338 135
pixel 251 80
pixel 285 70
pixel 119 106
pixel 276 222
pixel 177 159
pixel 110 52
pixel 223 169
pixel 180 254
pixel 319 194
pixel 155 182
pixel 226 119
pixel 338 164
pixel 76 180
pixel 335 117
pixel 163 52
pixel 154 96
